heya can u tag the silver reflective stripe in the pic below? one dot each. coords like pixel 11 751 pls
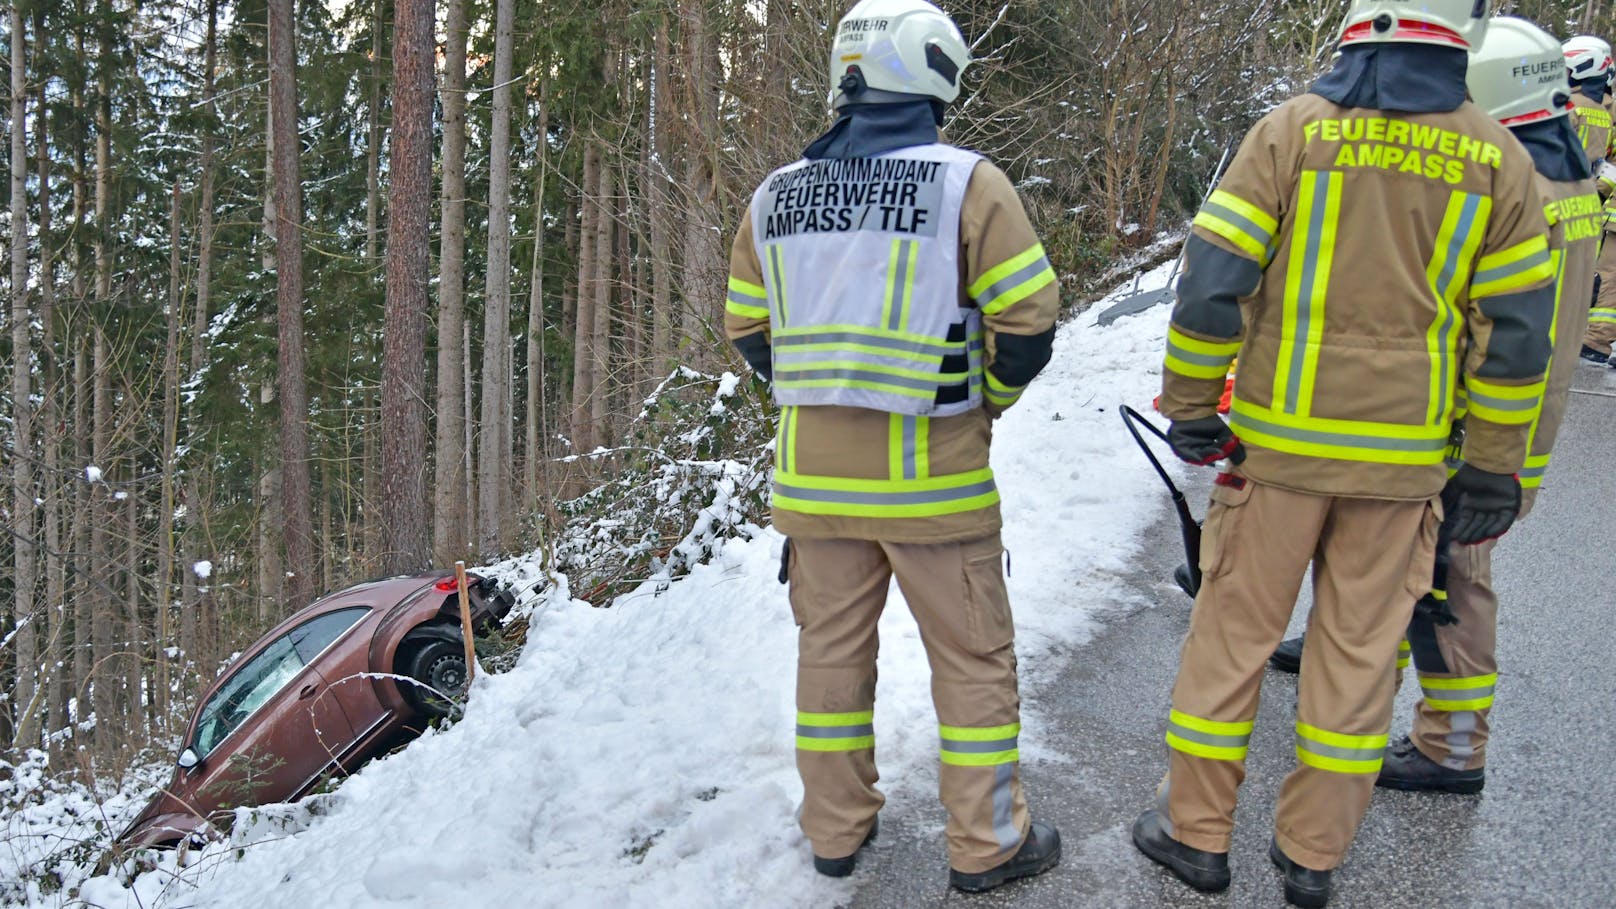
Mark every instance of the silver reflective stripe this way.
pixel 1342 439
pixel 779 284
pixel 1525 263
pixel 911 426
pixel 1004 801
pixel 1487 400
pixel 923 497
pixel 1336 751
pixel 1461 740
pixel 1011 281
pixel 1207 738
pixel 958 747
pixel 900 285
pixel 1526 473
pixel 741 299
pixel 784 376
pixel 835 732
pixel 928 348
pixel 1438 695
pixel 1245 225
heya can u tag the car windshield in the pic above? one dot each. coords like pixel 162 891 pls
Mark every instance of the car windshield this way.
pixel 246 691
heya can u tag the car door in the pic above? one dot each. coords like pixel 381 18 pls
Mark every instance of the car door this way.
pixel 268 730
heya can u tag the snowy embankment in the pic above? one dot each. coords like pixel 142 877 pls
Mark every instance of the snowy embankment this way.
pixel 643 756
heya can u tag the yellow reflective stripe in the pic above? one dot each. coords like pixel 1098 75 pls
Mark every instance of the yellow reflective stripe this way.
pixel 1012 281
pixel 1004 269
pixel 1244 209
pixel 1205 348
pixel 851 743
pixel 892 273
pixel 1404 651
pixel 1517 268
pixel 895 446
pixel 979 733
pixel 777 271
pixel 1602 315
pixel 784 454
pixel 745 311
pixel 866 384
pixel 1456 245
pixel 1211 739
pixel 981 759
pixel 1306 283
pixel 1346 440
pixel 1510 405
pixel 1211 727
pixel 835 719
pixel 747 288
pixel 922 448
pixel 833 347
pixel 1000 393
pixel 795 366
pixel 1460 684
pixel 1243 241
pixel 1194 370
pixel 925 496
pixel 1339 752
pixel 799 331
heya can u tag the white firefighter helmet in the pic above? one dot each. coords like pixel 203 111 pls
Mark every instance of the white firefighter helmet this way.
pixel 1446 23
pixel 1587 57
pixel 1518 75
pixel 896 50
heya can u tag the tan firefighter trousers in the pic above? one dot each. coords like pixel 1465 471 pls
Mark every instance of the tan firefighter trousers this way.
pixel 1457 665
pixel 1602 320
pixel 1371 559
pixel 957 594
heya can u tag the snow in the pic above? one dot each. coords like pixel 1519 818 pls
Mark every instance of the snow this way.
pixel 203 569
pixel 642 755
pixel 92 474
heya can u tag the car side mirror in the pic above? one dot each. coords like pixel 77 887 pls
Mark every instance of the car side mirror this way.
pixel 188 759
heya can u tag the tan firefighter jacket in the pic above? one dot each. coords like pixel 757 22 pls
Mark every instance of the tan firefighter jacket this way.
pixel 1362 264
pixel 1574 216
pixel 860 473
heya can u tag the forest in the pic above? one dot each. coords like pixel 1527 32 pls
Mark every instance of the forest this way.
pixel 304 293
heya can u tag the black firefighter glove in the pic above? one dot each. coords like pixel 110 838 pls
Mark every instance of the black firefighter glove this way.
pixel 1204 441
pixel 1480 505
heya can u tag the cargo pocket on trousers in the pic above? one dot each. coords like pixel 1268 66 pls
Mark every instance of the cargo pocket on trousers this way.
pixel 988 625
pixel 1422 560
pixel 1223 517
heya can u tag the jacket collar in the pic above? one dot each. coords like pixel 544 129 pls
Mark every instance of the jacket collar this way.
pixel 1411 78
pixel 867 130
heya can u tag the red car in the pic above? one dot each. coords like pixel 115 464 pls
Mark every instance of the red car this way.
pixel 338 683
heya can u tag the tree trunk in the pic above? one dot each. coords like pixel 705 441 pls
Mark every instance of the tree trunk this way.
pixel 583 387
pixel 23 544
pixel 406 533
pixel 58 680
pixel 494 442
pixel 101 516
pixel 657 183
pixel 86 598
pixel 600 377
pixel 449 530
pixel 704 260
pixel 162 586
pixel 297 518
pixel 537 422
pixel 373 139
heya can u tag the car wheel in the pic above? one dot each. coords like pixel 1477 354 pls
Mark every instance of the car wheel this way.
pixel 440 666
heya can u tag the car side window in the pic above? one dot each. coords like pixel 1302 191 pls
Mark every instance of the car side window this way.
pixel 246 691
pixel 315 635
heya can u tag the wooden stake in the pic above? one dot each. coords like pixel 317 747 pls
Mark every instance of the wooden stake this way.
pixel 465 623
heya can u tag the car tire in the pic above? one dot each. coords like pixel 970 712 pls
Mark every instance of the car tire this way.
pixel 440 668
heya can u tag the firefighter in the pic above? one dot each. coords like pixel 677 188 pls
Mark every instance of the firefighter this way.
pixel 1588 66
pixel 892 289
pixel 1591 58
pixel 1375 241
pixel 1456 665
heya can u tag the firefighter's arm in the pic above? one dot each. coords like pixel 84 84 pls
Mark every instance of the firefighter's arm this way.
pixel 1231 242
pixel 1509 317
pixel 746 309
pixel 1008 277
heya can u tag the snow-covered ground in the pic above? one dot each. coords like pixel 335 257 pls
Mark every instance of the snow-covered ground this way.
pixel 642 755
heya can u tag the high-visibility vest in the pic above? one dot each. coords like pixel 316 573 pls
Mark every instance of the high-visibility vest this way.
pixel 861 266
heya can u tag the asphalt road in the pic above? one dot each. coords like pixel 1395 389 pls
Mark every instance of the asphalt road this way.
pixel 1542 834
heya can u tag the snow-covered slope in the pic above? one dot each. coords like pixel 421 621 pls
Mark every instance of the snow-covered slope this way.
pixel 642 755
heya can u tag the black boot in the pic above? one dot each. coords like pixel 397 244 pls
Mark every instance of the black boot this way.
pixel 1208 871
pixel 1287 657
pixel 1040 852
pixel 1406 768
pixel 1303 886
pixel 842 867
pixel 1594 356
